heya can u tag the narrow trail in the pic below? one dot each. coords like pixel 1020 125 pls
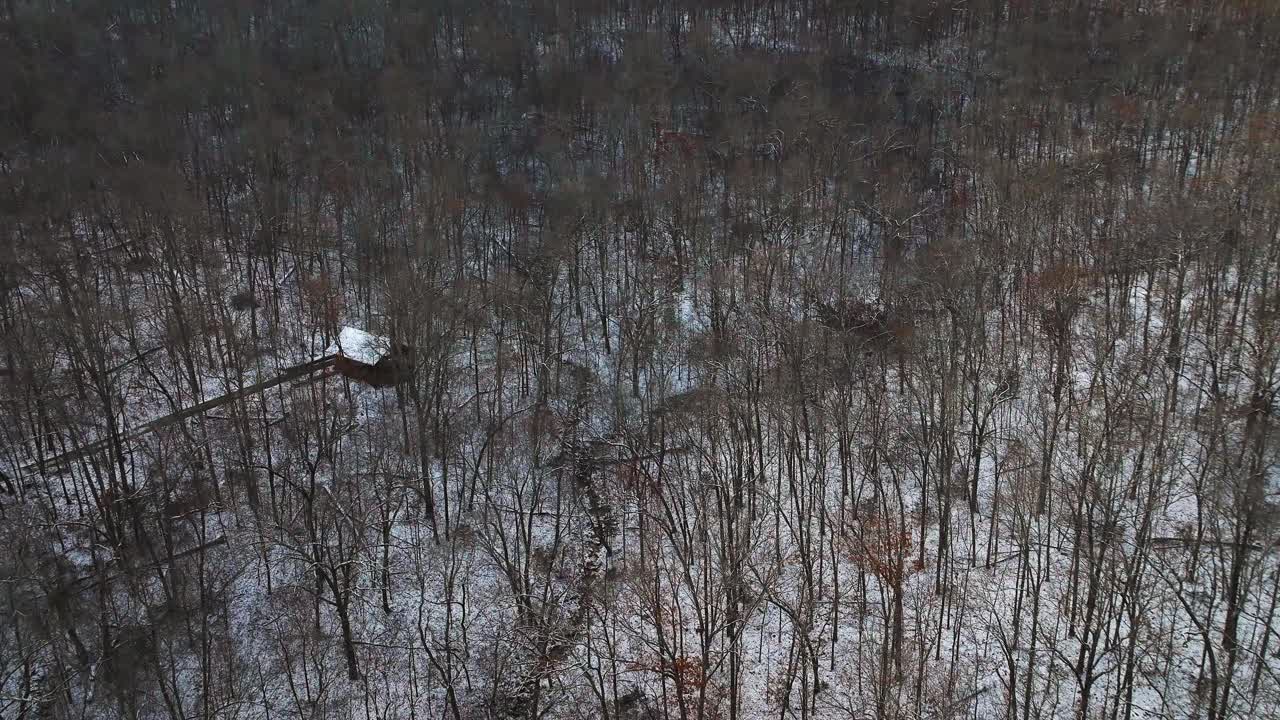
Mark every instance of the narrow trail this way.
pixel 284 376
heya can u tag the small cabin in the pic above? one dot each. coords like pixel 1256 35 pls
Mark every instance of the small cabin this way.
pixel 371 359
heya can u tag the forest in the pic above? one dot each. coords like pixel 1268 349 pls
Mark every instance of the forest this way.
pixel 639 359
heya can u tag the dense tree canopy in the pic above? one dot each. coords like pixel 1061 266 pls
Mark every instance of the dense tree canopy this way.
pixel 796 359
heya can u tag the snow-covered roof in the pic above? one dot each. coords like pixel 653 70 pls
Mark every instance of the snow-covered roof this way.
pixel 360 346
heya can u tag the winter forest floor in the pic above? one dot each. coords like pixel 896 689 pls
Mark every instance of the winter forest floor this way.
pixel 780 360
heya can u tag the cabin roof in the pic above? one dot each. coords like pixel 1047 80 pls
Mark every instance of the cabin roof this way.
pixel 360 346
